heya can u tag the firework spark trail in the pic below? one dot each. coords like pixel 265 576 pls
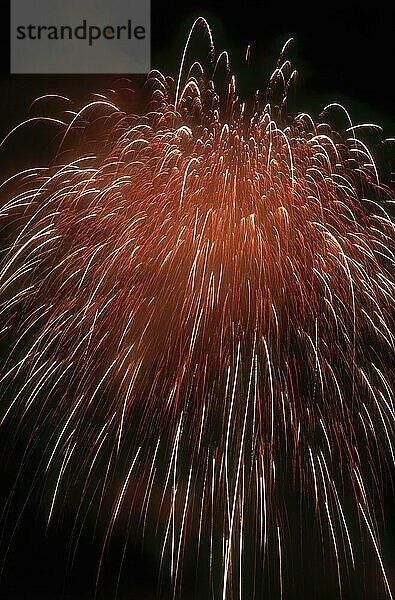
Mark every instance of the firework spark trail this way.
pixel 197 305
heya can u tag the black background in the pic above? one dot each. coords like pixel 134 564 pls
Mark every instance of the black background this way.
pixel 343 52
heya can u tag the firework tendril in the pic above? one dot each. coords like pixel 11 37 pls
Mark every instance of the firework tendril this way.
pixel 199 300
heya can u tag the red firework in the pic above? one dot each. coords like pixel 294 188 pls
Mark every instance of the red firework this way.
pixel 200 299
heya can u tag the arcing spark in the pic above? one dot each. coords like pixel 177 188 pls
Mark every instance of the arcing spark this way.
pixel 200 300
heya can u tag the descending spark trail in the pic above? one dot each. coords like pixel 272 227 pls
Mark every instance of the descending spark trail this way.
pixel 200 304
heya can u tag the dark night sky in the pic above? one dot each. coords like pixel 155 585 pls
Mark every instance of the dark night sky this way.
pixel 343 52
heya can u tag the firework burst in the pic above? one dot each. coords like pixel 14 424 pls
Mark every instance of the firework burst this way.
pixel 199 300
